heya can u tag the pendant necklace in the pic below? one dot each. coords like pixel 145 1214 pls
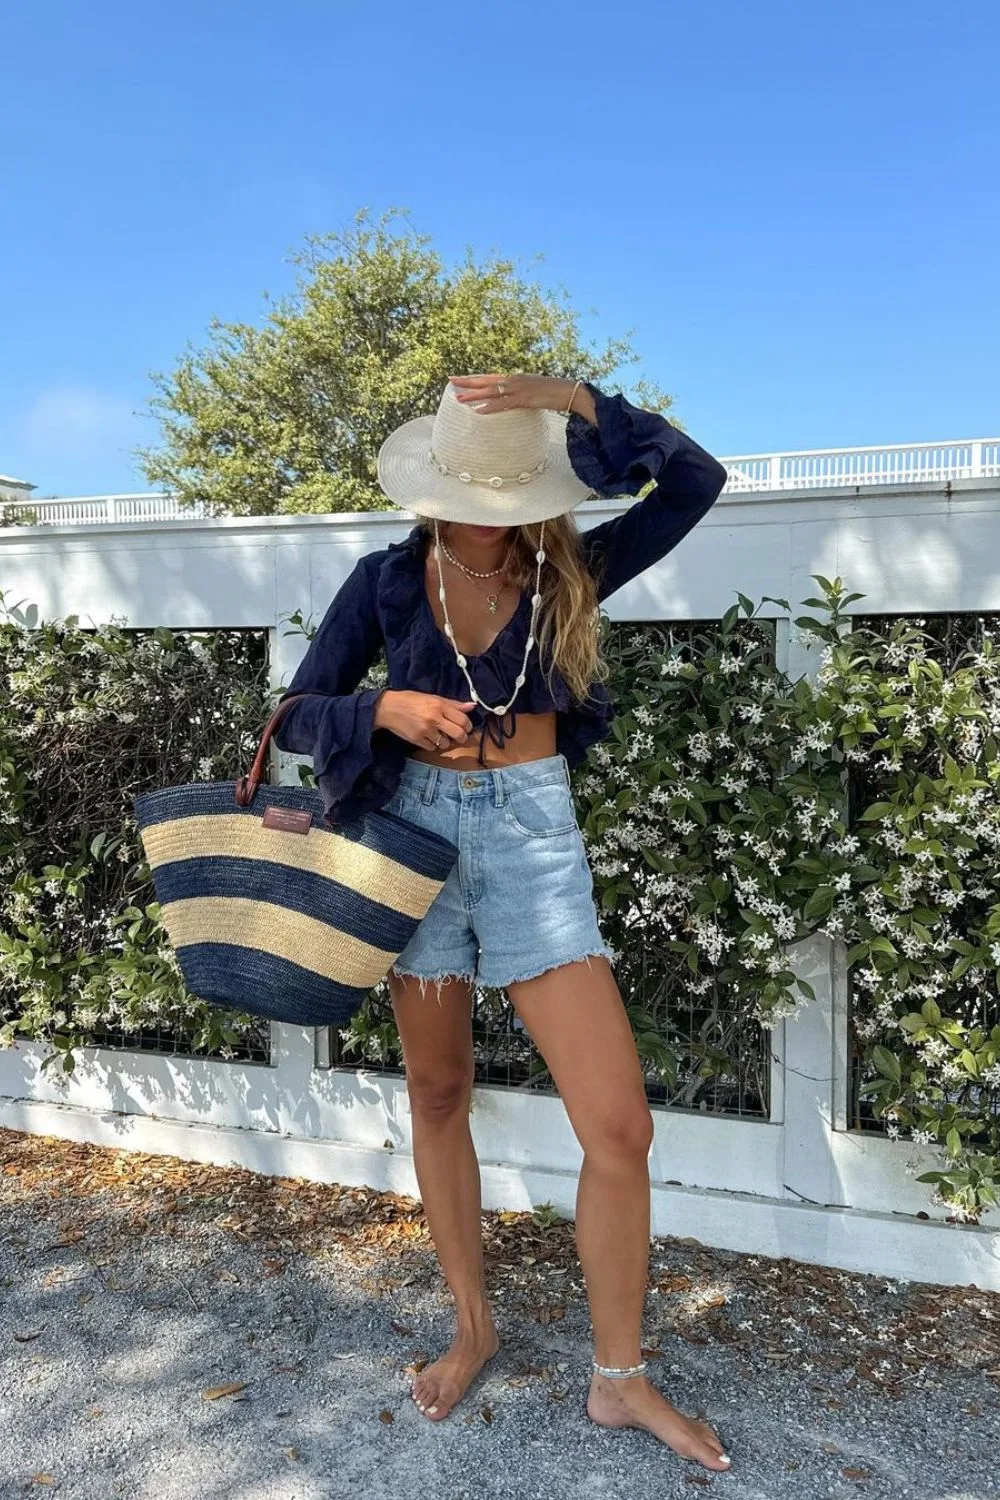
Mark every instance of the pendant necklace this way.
pixel 492 599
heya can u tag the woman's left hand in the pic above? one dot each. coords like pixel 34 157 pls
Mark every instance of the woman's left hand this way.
pixel 486 393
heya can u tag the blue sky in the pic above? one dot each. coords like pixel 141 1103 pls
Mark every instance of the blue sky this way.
pixel 793 206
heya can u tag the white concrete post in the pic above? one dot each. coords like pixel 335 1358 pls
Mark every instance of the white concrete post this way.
pixel 812 1048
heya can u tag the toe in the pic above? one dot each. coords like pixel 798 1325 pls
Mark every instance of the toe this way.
pixel 424 1392
pixel 446 1398
pixel 442 1404
pixel 716 1456
pixel 709 1436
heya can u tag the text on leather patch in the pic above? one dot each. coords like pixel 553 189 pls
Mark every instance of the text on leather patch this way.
pixel 288 819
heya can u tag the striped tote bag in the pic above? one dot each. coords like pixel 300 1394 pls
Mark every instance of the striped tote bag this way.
pixel 272 912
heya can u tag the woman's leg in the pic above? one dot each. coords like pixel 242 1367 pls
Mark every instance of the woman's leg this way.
pixel 437 1050
pixel 575 1016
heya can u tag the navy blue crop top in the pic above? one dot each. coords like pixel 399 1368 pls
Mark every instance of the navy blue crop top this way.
pixel 384 602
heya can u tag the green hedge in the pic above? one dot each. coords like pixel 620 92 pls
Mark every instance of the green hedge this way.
pixel 89 718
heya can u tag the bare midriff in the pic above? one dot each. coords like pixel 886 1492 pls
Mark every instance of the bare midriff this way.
pixel 534 737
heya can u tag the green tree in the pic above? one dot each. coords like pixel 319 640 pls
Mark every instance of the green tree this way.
pixel 288 417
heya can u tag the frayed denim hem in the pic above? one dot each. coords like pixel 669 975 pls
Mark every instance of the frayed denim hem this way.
pixel 436 979
pixel 559 963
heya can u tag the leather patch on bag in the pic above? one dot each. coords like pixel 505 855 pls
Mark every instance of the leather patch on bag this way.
pixel 288 819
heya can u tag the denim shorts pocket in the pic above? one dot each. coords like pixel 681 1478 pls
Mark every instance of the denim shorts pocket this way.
pixel 400 803
pixel 541 811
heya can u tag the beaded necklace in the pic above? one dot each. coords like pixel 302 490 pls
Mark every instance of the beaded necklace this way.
pixel 492 599
pixel 536 600
pixel 471 572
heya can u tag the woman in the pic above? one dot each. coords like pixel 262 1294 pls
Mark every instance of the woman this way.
pixel 487 612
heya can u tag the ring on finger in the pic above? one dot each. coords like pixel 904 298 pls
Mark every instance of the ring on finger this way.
pixel 501 388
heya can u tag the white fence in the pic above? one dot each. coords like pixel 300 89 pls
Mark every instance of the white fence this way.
pixel 800 1183
pixel 749 473
pixel 102 510
pixel 833 468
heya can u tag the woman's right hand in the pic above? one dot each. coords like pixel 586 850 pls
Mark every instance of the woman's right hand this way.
pixel 425 719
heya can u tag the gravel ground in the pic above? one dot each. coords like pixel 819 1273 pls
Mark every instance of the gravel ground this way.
pixel 135 1286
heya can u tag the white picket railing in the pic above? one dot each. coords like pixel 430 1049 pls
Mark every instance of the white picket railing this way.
pixel 898 463
pixel 102 510
pixel 820 468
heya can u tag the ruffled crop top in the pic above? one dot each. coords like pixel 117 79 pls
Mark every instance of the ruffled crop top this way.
pixel 384 603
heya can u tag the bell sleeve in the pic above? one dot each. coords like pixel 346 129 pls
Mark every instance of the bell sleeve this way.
pixel 628 447
pixel 336 726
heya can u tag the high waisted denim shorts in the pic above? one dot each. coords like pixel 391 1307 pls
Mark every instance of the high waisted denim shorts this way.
pixel 519 898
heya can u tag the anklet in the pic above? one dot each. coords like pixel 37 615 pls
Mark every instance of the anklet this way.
pixel 614 1373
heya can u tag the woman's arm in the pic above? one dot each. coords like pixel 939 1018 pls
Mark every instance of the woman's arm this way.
pixel 336 725
pixel 617 448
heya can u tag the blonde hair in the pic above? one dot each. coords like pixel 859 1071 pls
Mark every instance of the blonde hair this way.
pixel 567 628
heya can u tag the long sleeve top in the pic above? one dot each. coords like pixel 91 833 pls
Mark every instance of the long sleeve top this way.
pixel 384 603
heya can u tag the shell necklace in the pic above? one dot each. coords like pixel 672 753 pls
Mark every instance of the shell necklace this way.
pixel 536 600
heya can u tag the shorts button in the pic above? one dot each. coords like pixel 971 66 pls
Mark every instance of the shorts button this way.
pixel 469 781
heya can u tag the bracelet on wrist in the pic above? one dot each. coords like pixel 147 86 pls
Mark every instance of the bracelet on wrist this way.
pixel 569 404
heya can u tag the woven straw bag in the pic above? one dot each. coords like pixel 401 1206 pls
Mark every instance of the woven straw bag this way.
pixel 272 912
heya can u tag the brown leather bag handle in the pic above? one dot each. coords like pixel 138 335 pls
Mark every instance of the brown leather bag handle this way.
pixel 246 786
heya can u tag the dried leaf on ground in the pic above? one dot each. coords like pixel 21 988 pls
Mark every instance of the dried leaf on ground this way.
pixel 96 1202
pixel 215 1391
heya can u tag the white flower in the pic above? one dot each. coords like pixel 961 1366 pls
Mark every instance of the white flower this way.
pixel 751 712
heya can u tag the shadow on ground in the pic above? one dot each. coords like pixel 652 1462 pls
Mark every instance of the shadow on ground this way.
pixel 134 1287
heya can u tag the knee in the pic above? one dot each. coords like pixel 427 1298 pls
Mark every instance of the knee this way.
pixel 437 1097
pixel 623 1136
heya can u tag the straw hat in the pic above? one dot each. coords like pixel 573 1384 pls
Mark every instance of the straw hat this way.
pixel 500 468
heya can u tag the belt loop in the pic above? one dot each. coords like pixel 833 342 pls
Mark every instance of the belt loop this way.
pixel 498 788
pixel 430 785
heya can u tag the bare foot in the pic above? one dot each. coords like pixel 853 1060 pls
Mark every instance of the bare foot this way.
pixel 635 1403
pixel 442 1385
